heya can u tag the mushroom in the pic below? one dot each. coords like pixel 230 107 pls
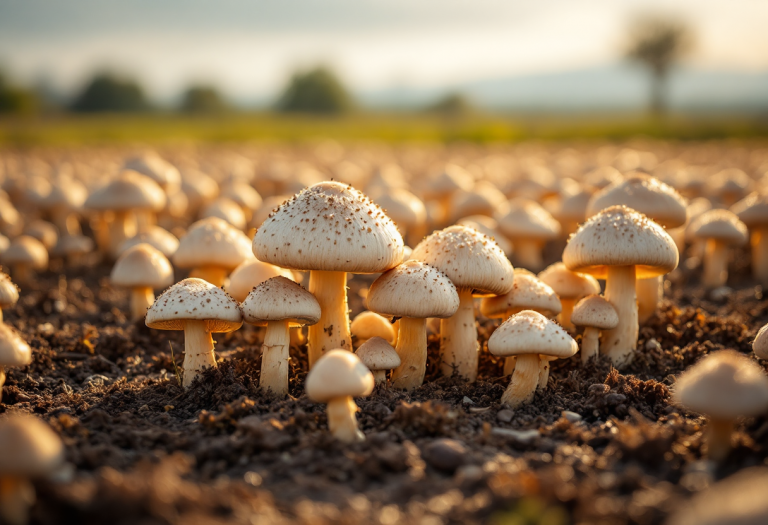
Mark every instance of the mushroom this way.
pixel 488 227
pixel 476 265
pixel 572 210
pixel 142 269
pixel 407 212
pixel 269 206
pixel 14 351
pixel 9 293
pixel 330 229
pixel 759 345
pixel 226 209
pixel 244 195
pixel 199 308
pixel 724 386
pixel 729 186
pixel 368 325
pixel 337 377
pixel 483 199
pixel 753 212
pixel 43 231
pixel 529 227
pixel 73 248
pixel 593 313
pixel 379 356
pixel 721 229
pixel 250 274
pixel 441 187
pixel 279 303
pixel 530 337
pixel 413 292
pixel 620 245
pixel 63 203
pixel 199 188
pixel 24 255
pixel 569 287
pixel 155 236
pixel 30 449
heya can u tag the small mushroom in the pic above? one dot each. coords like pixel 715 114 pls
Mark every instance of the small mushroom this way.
pixel 14 351
pixel 250 274
pixel 9 293
pixel 43 231
pixel 367 325
pixel 25 255
pixel 593 313
pixel 156 236
pixel 225 209
pixel 529 227
pixel 142 269
pixel 336 378
pixel 721 229
pixel 569 287
pixel 760 344
pixel 407 211
pixel 488 227
pixel 753 212
pixel 379 356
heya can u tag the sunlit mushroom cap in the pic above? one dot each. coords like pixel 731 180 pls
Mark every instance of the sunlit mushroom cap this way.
pixel 14 351
pixel 280 299
pixel 73 245
pixel 26 250
pixel 573 207
pixel 483 199
pixel 369 324
pixel 66 193
pixel 243 194
pixel 601 177
pixel 9 292
pixel 155 236
pixel 331 227
pixel 378 354
pixel 752 210
pixel 43 231
pixel 212 242
pixel 720 225
pixel 198 187
pixel 620 236
pixel 568 284
pixel 338 373
pixel 596 312
pixel 531 333
pixel 760 344
pixel 226 209
pixel 448 179
pixel 403 207
pixel 527 219
pixel 724 385
pixel 528 293
pixel 250 274
pixel 130 190
pixel 30 448
pixel 195 300
pixel 156 168
pixel 488 227
pixel 142 266
pixel 731 182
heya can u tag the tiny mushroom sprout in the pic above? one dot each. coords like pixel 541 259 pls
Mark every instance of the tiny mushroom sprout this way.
pixel 721 229
pixel 476 265
pixel 30 449
pixel 532 338
pixel 9 293
pixel 593 313
pixel 414 291
pixel 330 229
pixel 760 344
pixel 529 227
pixel 199 308
pixel 278 303
pixel 250 274
pixel 724 386
pixel 14 351
pixel 158 237
pixel 620 245
pixel 25 255
pixel 569 287
pixel 368 325
pixel 336 378
pixel 753 212
pixel 142 269
pixel 379 356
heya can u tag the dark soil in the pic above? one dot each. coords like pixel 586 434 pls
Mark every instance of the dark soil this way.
pixel 610 447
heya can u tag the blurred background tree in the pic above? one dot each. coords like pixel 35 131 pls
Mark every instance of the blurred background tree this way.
pixel 16 100
pixel 316 91
pixel 658 43
pixel 107 92
pixel 452 105
pixel 203 99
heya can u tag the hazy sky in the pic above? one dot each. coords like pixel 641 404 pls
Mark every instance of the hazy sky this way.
pixel 248 47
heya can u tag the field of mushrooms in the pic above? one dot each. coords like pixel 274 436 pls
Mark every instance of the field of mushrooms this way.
pixel 315 333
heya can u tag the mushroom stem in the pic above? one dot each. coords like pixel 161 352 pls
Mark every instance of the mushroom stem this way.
pixel 412 349
pixel 141 299
pixel 216 275
pixel 524 381
pixel 341 420
pixel 274 358
pixel 100 226
pixel 649 293
pixel 16 496
pixel 379 376
pixel 564 317
pixel 2 381
pixel 122 227
pixel 760 255
pixel 619 343
pixel 717 436
pixel 544 367
pixel 198 350
pixel 715 264
pixel 590 343
pixel 22 274
pixel 528 253
pixel 332 331
pixel 458 340
pixel 509 365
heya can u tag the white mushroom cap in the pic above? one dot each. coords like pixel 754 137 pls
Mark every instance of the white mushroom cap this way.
pixel 198 187
pixel 66 193
pixel 531 333
pixel 142 266
pixel 730 181
pixel 369 324
pixel 243 194
pixel 280 299
pixel 31 448
pixel 528 293
pixel 14 351
pixel 527 219
pixel 568 284
pixel 601 177
pixel 227 209
pixel 594 311
pixel 331 227
pixel 73 245
pixel 267 208
pixel 212 242
pixel 752 210
pixel 26 250
pixel 250 274
pixel 720 225
pixel 573 206
pixel 723 385
pixel 449 179
pixel 128 191
pixel 377 354
pixel 760 344
pixel 155 236
pixel 488 227
pixel 483 199
pixel 9 292
pixel 43 231
pixel 338 373
pixel 156 168
pixel 403 207
pixel 195 300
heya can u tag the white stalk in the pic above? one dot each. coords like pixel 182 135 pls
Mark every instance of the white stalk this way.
pixel 524 381
pixel 274 358
pixel 459 348
pixel 716 264
pixel 141 299
pixel 412 349
pixel 341 420
pixel 590 343
pixel 198 350
pixel 332 331
pixel 619 343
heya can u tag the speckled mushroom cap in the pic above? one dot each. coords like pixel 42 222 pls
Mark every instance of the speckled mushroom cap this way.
pixel 195 300
pixel 596 312
pixel 529 333
pixel 568 284
pixel 141 266
pixel 14 351
pixel 156 168
pixel 720 225
pixel 645 194
pixel 332 227
pixel 528 293
pixel 469 259
pixel 212 242
pixel 280 299
pixel 413 289
pixel 620 236
pixel 403 207
pixel 26 250
pixel 338 373
pixel 760 344
pixel 527 219
pixel 377 354
pixel 723 385
pixel 9 292
pixel 34 449
pixel 130 190
pixel 368 324
pixel 488 227
pixel 155 236
pixel 752 210
pixel 252 273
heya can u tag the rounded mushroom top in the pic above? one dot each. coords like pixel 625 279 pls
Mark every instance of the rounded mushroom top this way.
pixel 620 236
pixel 469 259
pixel 720 225
pixel 250 274
pixel 651 197
pixel 198 187
pixel 450 178
pixel 573 206
pixel 483 199
pixel 195 300
pixel 752 210
pixel 730 182
pixel 142 266
pixel 130 190
pixel 760 344
pixel 596 312
pixel 723 385
pixel 528 293
pixel 156 168
pixel 212 242
pixel 403 207
pixel 280 299
pixel 332 227
pixel 33 449
pixel 413 289
pixel 601 177
pixel 488 227
pixel 155 236
pixel 227 209
pixel 378 354
pixel 338 373
pixel 66 193
pixel 531 333
pixel 9 292
pixel 367 325
pixel 243 194
pixel 568 284
pixel 26 250
pixel 43 231
pixel 14 351
pixel 527 219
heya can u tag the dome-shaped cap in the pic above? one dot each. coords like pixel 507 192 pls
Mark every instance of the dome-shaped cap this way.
pixel 720 225
pixel 448 179
pixel 212 242
pixel 752 210
pixel 596 312
pixel 14 351
pixel 9 292
pixel 43 231
pixel 31 448
pixel 195 300
pixel 403 207
pixel 280 299
pixel 468 258
pixel 731 181
pixel 531 333
pixel 130 190
pixel 156 237
pixel 268 207
pixel 331 227
pixel 250 274
pixel 156 168
pixel 226 209
pixel 243 194
pixel 338 373
pixel 488 227
pixel 528 293
pixel 73 245
pixel 527 219
pixel 723 385
pixel 601 177
pixel 198 187
pixel 413 289
pixel 141 266
pixel 483 199
pixel 377 354
pixel 367 324
pixel 66 193
pixel 26 250
pixel 620 236
pixel 568 284
pixel 760 344
pixel 573 206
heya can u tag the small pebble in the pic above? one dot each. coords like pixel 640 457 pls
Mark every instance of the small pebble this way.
pixel 505 415
pixel 521 436
pixel 445 454
pixel 467 401
pixel 572 417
